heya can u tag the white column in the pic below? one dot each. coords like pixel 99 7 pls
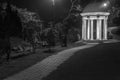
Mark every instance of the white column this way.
pixel 88 29
pixel 105 29
pixel 84 29
pixel 91 29
pixel 100 29
pixel 98 33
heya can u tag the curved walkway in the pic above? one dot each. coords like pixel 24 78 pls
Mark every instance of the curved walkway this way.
pixel 48 65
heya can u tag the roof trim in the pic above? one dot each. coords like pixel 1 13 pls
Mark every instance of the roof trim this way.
pixel 95 13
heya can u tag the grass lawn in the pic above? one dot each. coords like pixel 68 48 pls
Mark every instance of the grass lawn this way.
pixel 20 63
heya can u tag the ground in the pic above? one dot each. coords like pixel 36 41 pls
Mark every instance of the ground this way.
pixel 101 62
pixel 87 62
pixel 20 63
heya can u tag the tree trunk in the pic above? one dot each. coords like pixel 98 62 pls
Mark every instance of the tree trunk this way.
pixel 7 47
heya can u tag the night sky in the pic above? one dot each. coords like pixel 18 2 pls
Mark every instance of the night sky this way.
pixel 45 9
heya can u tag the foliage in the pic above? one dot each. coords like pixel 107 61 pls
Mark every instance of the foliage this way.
pixel 72 21
pixel 114 17
pixel 10 21
pixel 31 25
pixel 73 17
pixel 30 21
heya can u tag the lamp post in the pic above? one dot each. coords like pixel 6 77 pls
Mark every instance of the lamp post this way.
pixel 53 5
pixel 106 4
pixel 53 2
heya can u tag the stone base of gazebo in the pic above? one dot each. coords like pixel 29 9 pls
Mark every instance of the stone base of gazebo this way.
pixel 94 41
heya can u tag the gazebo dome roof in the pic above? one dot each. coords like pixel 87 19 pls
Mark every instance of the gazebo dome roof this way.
pixel 95 7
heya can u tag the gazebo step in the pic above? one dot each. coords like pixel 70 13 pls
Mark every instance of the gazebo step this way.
pixel 95 41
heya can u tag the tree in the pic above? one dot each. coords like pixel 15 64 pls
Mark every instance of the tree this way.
pixel 50 39
pixel 72 20
pixel 114 16
pixel 10 25
pixel 59 32
pixel 31 25
pixel 49 35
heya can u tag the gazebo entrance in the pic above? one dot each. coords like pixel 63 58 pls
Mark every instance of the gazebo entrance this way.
pixel 94 26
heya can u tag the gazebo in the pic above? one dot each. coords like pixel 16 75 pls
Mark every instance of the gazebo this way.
pixel 94 22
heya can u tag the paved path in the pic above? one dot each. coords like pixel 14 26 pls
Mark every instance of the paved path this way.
pixel 48 65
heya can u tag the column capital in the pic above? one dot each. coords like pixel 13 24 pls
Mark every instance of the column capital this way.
pixel 93 17
pixel 85 17
pixel 101 17
pixel 106 17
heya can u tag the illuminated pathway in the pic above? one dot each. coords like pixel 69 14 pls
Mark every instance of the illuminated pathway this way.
pixel 48 65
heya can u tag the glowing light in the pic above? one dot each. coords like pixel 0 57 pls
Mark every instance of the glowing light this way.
pixel 105 4
pixel 53 2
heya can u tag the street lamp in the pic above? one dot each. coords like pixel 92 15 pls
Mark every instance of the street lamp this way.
pixel 105 4
pixel 53 4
